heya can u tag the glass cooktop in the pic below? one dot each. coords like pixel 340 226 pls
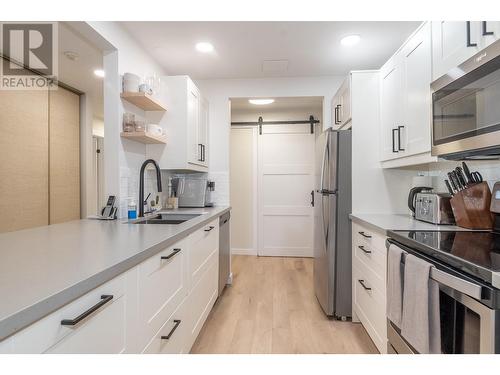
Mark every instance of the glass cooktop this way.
pixel 477 253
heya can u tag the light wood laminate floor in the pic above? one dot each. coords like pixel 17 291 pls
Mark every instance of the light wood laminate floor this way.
pixel 271 308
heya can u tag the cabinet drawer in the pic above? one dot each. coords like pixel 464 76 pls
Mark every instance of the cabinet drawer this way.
pixel 161 288
pixel 202 244
pixel 103 331
pixel 370 251
pixel 201 299
pixel 369 237
pixel 370 305
pixel 171 337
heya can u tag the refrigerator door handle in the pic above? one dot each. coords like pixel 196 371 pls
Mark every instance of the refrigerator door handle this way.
pixel 323 165
pixel 326 218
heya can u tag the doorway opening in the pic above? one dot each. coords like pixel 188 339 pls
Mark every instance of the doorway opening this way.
pixel 272 175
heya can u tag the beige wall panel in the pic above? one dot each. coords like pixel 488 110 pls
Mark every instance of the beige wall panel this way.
pixel 23 159
pixel 64 151
pixel 242 188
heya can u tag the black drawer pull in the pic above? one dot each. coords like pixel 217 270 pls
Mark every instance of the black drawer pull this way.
pixel 364 250
pixel 365 235
pixel 173 253
pixel 177 324
pixel 105 298
pixel 362 282
pixel 209 229
pixel 469 43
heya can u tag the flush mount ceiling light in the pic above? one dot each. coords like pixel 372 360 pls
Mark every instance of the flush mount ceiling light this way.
pixel 204 47
pixel 350 40
pixel 99 73
pixel 260 101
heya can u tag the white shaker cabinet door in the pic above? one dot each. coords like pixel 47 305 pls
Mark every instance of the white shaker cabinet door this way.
pixel 416 66
pixel 390 109
pixel 453 42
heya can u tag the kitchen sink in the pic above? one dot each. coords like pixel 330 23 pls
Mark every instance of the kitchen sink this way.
pixel 167 219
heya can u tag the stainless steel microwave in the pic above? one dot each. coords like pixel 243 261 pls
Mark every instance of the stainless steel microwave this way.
pixel 466 108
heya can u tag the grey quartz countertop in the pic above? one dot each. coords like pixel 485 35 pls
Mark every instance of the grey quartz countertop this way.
pixel 44 268
pixel 387 222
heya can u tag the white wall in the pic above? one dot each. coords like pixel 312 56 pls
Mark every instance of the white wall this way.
pixel 374 190
pixel 218 93
pixel 123 157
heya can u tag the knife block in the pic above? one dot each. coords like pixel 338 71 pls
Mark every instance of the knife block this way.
pixel 471 207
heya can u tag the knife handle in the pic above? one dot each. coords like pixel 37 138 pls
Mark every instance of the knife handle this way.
pixel 448 186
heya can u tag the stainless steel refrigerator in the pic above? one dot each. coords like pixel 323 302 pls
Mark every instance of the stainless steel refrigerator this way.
pixel 332 229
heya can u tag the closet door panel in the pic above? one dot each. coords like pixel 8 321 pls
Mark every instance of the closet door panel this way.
pixel 64 151
pixel 23 159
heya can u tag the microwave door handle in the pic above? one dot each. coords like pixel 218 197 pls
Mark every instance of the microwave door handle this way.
pixel 456 283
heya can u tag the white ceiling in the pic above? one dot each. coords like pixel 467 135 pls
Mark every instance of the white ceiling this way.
pixel 311 48
pixel 79 74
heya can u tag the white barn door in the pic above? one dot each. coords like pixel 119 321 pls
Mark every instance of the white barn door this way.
pixel 285 182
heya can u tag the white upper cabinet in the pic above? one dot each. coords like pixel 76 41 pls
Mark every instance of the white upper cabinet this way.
pixel 453 42
pixel 416 75
pixel 186 126
pixel 405 102
pixel 390 108
pixel 341 105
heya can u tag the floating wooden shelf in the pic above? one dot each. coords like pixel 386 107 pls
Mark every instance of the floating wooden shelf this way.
pixel 143 101
pixel 144 137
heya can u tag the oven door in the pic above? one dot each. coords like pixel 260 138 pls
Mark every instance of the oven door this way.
pixel 466 114
pixel 467 325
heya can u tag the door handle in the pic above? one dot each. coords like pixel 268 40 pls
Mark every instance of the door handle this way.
pixel 469 43
pixel 72 322
pixel 399 137
pixel 365 235
pixel 394 140
pixel 485 31
pixel 362 248
pixel 362 282
pixel 172 254
pixel 312 198
pixel 177 324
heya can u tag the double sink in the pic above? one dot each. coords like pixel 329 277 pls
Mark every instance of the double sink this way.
pixel 166 218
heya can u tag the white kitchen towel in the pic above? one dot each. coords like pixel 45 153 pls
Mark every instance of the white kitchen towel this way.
pixel 394 285
pixel 420 324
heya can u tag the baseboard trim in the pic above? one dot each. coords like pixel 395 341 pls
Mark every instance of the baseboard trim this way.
pixel 243 251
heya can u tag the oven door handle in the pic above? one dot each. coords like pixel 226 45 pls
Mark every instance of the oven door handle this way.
pixel 463 286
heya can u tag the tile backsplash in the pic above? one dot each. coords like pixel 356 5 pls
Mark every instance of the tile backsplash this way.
pixel 490 170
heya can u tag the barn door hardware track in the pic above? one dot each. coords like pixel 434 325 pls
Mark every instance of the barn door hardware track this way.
pixel 261 122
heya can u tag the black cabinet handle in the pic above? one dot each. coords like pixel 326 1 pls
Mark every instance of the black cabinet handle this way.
pixel 364 250
pixel 177 324
pixel 209 229
pixel 105 298
pixel 204 156
pixel 394 140
pixel 172 254
pixel 399 138
pixel 340 107
pixel 200 152
pixel 485 31
pixel 312 198
pixel 362 282
pixel 365 235
pixel 337 121
pixel 469 43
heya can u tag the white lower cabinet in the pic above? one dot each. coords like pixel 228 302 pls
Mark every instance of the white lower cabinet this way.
pixel 369 265
pixel 102 331
pixel 158 306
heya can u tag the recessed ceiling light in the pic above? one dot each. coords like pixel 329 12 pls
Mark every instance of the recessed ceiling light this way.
pixel 260 101
pixel 204 47
pixel 99 72
pixel 350 40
